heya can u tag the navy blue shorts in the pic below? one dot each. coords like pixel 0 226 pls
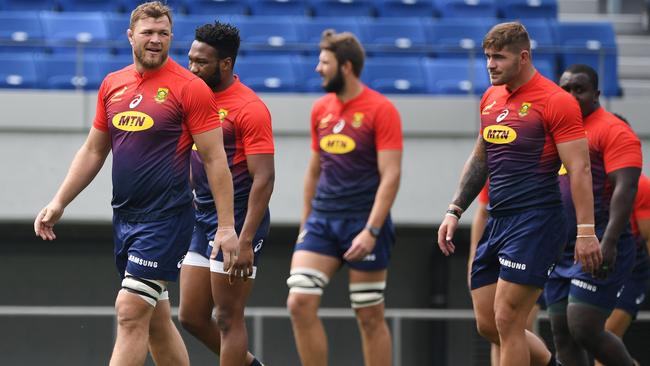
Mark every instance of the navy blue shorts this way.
pixel 205 228
pixel 520 248
pixel 152 250
pixel 632 294
pixel 568 280
pixel 333 237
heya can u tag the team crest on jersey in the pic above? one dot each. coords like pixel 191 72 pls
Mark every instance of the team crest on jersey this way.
pixel 132 121
pixel 324 121
pixel 223 113
pixel 337 144
pixel 357 119
pixel 525 107
pixel 498 134
pixel 487 108
pixel 161 95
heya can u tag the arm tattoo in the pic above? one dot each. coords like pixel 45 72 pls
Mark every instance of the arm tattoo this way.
pixel 473 177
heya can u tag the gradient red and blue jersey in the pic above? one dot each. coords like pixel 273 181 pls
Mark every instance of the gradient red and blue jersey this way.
pixel 612 146
pixel 246 124
pixel 641 210
pixel 483 195
pixel 150 118
pixel 347 137
pixel 520 129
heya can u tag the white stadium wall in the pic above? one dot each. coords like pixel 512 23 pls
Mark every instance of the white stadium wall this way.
pixel 40 131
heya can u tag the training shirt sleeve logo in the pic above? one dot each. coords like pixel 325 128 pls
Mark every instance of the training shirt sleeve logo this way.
pixel 498 134
pixel 132 121
pixel 161 95
pixel 337 144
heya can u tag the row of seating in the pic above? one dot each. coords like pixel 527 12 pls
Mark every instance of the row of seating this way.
pixel 352 8
pixel 403 75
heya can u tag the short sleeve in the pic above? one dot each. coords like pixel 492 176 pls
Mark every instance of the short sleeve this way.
pixel 563 118
pixel 622 148
pixel 254 124
pixel 201 112
pixel 483 196
pixel 388 128
pixel 101 119
pixel 315 111
pixel 642 201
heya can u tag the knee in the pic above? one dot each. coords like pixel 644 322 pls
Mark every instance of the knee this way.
pixel 190 321
pixel 227 316
pixel 131 314
pixel 506 318
pixel 302 306
pixel 583 333
pixel 370 319
pixel 487 329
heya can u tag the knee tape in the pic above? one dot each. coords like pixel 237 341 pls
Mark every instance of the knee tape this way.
pixel 149 290
pixel 307 281
pixel 364 294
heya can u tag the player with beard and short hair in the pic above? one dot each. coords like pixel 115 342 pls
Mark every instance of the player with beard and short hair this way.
pixel 248 140
pixel 351 183
pixel 148 114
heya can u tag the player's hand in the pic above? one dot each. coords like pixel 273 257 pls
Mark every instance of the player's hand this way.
pixel 226 241
pixel 243 266
pixel 588 253
pixel 446 234
pixel 45 220
pixel 608 265
pixel 362 245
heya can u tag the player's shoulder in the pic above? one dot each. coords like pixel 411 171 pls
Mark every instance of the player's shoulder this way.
pixel 376 97
pixel 644 184
pixel 246 94
pixel 121 75
pixel 324 101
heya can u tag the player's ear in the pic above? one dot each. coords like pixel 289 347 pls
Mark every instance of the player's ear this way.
pixel 129 35
pixel 347 68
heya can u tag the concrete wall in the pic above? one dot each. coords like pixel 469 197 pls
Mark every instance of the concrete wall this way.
pixel 41 131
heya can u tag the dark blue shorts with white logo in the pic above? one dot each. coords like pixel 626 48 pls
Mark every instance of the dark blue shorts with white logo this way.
pixel 205 227
pixel 568 280
pixel 632 295
pixel 152 250
pixel 333 237
pixel 520 248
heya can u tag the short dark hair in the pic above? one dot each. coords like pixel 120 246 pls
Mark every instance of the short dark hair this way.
pixel 511 35
pixel 152 9
pixel 346 47
pixel 223 37
pixel 587 70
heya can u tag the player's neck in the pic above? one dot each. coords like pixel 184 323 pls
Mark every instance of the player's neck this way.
pixel 141 69
pixel 524 76
pixel 225 83
pixel 352 89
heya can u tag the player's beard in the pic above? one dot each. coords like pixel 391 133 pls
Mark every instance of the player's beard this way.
pixel 215 79
pixel 336 84
pixel 151 63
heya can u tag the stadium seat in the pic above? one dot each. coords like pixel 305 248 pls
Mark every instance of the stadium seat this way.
pixel 456 76
pixel 543 45
pixel 267 33
pixel 309 80
pixel 117 25
pixel 458 38
pixel 60 71
pixel 268 73
pixel 20 31
pixel 91 5
pixel 220 7
pixel 342 8
pixel 404 8
pixel 546 68
pixel 278 7
pixel 593 44
pixel 184 29
pixel 177 6
pixel 18 71
pixel 466 8
pixel 526 9
pixel 33 5
pixel 65 31
pixel 403 75
pixel 393 35
pixel 111 64
pixel 311 29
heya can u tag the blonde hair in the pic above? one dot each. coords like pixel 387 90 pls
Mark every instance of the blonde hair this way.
pixel 346 47
pixel 153 9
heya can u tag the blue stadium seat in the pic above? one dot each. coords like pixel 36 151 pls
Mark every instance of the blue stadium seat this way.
pixel 91 5
pixel 262 33
pixel 33 5
pixel 220 7
pixel 342 8
pixel 177 6
pixel 61 72
pixel 547 69
pixel 457 38
pixel 65 31
pixel 18 71
pixel 466 8
pixel 404 8
pixel 543 45
pixel 399 75
pixel 308 79
pixel 110 64
pixel 526 9
pixel 456 76
pixel 268 73
pixel 392 35
pixel 311 29
pixel 20 31
pixel 278 7
pixel 184 29
pixel 593 44
pixel 117 25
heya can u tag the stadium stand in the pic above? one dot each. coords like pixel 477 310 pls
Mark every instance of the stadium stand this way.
pixel 223 7
pixel 403 75
pixel 18 71
pixel 338 8
pixel 63 71
pixel 456 76
pixel 20 31
pixel 268 73
pixel 460 37
pixel 66 30
pixel 404 8
pixel 526 9
pixel 278 7
pixel 395 35
pixel 466 8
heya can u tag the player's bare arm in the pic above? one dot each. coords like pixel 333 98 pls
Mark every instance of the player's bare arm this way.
pixel 83 169
pixel 210 147
pixel 472 181
pixel 389 164
pixel 575 157
pixel 311 181
pixel 625 184
pixel 644 229
pixel 262 170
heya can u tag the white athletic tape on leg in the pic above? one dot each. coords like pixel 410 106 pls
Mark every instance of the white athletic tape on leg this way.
pixel 196 259
pixel 305 280
pixel 144 288
pixel 217 267
pixel 364 294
